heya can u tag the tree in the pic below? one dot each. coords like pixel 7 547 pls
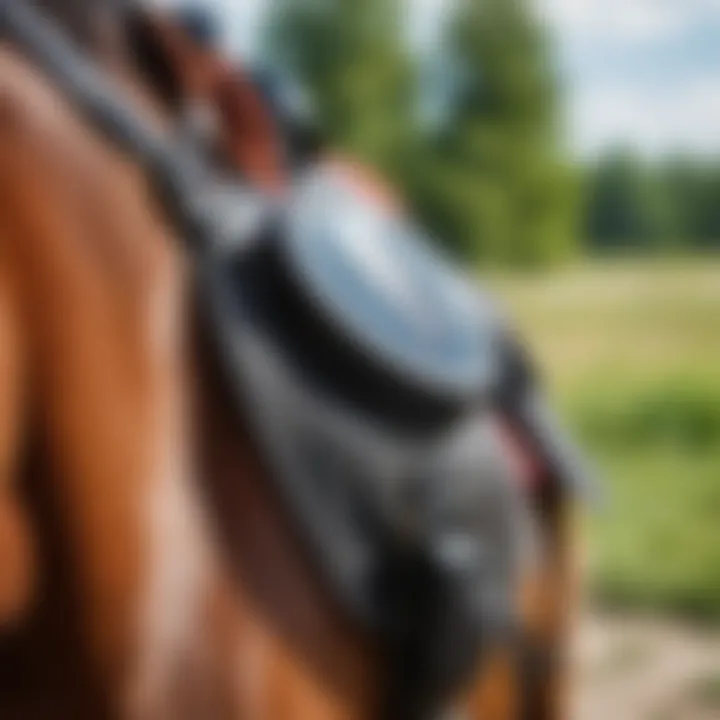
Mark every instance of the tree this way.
pixel 489 183
pixel 350 56
pixel 651 206
pixel 625 206
pixel 695 189
pixel 494 184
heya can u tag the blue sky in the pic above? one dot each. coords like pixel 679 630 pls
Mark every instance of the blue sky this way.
pixel 644 73
pixel 640 72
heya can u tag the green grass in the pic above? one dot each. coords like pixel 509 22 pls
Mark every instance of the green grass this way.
pixel 632 354
pixel 704 693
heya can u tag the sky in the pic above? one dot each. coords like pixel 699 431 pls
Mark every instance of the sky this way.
pixel 639 73
pixel 644 73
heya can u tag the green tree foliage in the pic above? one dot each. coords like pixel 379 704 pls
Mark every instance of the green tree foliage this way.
pixel 491 182
pixel 625 208
pixel 692 189
pixel 642 206
pixel 350 56
pixel 488 183
pixel 489 179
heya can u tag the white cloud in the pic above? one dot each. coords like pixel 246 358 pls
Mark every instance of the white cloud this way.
pixel 625 101
pixel 685 117
pixel 626 21
pixel 426 20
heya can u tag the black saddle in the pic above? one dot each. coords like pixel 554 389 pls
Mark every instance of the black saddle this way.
pixel 387 457
pixel 366 365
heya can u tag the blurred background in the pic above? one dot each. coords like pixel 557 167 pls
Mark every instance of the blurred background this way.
pixel 569 150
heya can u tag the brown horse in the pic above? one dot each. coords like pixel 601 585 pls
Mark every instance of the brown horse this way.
pixel 126 478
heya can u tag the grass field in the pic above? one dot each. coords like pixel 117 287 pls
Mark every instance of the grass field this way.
pixel 631 352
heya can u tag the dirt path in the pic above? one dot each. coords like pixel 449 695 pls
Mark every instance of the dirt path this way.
pixel 646 669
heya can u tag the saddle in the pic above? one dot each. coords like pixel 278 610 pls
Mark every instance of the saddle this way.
pixel 367 366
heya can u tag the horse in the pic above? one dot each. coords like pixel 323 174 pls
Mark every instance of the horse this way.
pixel 149 567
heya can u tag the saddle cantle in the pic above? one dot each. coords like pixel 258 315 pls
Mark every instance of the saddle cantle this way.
pixel 366 366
